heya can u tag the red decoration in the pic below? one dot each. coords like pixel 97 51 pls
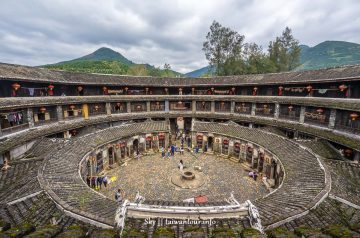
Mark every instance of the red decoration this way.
pixel 72 107
pixel 320 110
pixel 226 142
pixel 309 88
pixel 50 90
pixel 42 109
pixel 80 88
pixel 15 86
pixel 255 91
pixel 280 91
pixel 199 137
pixel 161 136
pixel 290 108
pixel 149 138
pixel 343 87
pixel 237 145
pixel 354 116
pixel 201 199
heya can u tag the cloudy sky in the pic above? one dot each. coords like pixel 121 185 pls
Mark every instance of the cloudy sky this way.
pixel 35 32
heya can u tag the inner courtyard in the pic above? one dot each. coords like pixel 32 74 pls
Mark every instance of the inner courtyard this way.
pixel 151 177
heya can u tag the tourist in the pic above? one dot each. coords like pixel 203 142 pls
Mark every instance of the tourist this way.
pixel 162 152
pixel 105 181
pixel 181 165
pixel 169 152
pixel 197 149
pixel 88 181
pixel 119 196
pixel 172 150
pixel 255 176
pixel 137 154
pixel 99 181
pixel 93 182
pixel 182 150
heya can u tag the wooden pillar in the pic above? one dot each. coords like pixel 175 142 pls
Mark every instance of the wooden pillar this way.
pixel 277 110
pixel 30 117
pixel 167 106
pixel 302 114
pixel 59 113
pixel 148 106
pixel 232 107
pixel 212 106
pixel 193 107
pixel 253 109
pixel 332 119
pixel 108 108
pixel 85 111
pixel 128 107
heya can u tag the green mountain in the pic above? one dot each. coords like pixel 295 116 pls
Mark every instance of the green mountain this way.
pixel 201 72
pixel 329 54
pixel 102 54
pixel 108 61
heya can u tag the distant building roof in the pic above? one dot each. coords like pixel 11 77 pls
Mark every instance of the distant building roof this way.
pixel 36 74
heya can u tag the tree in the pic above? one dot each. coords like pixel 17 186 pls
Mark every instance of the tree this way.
pixel 257 61
pixel 284 51
pixel 223 49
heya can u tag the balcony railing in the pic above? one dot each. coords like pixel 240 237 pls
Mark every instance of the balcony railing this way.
pixel 350 129
pixel 157 108
pixel 16 128
pixel 291 117
pixel 266 112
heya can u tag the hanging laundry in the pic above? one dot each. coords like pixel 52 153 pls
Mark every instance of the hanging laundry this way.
pixel 322 91
pixel 31 91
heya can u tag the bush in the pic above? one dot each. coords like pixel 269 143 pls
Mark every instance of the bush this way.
pixel 280 232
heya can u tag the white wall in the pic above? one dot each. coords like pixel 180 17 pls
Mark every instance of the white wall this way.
pixel 20 150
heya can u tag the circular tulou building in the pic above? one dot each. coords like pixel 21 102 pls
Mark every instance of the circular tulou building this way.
pixel 90 155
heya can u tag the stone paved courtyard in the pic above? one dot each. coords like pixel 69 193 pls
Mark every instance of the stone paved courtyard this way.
pixel 151 177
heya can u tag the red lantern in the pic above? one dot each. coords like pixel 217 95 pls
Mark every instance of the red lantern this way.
pixel 342 87
pixel 161 136
pixel 199 137
pixel 237 145
pixel 255 91
pixel 15 86
pixel 280 92
pixel 42 109
pixel 50 90
pixel 319 110
pixel 309 88
pixel 354 116
pixel 80 88
pixel 149 138
pixel 290 108
pixel 226 142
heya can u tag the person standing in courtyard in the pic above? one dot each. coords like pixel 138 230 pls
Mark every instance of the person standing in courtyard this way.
pixel 162 152
pixel 105 181
pixel 119 196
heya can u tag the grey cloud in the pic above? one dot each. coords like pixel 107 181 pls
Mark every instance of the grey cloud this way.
pixel 38 32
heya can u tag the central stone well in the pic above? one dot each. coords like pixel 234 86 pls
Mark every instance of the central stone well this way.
pixel 188 175
pixel 188 179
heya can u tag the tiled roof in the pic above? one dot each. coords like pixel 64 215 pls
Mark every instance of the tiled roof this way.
pixel 36 74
